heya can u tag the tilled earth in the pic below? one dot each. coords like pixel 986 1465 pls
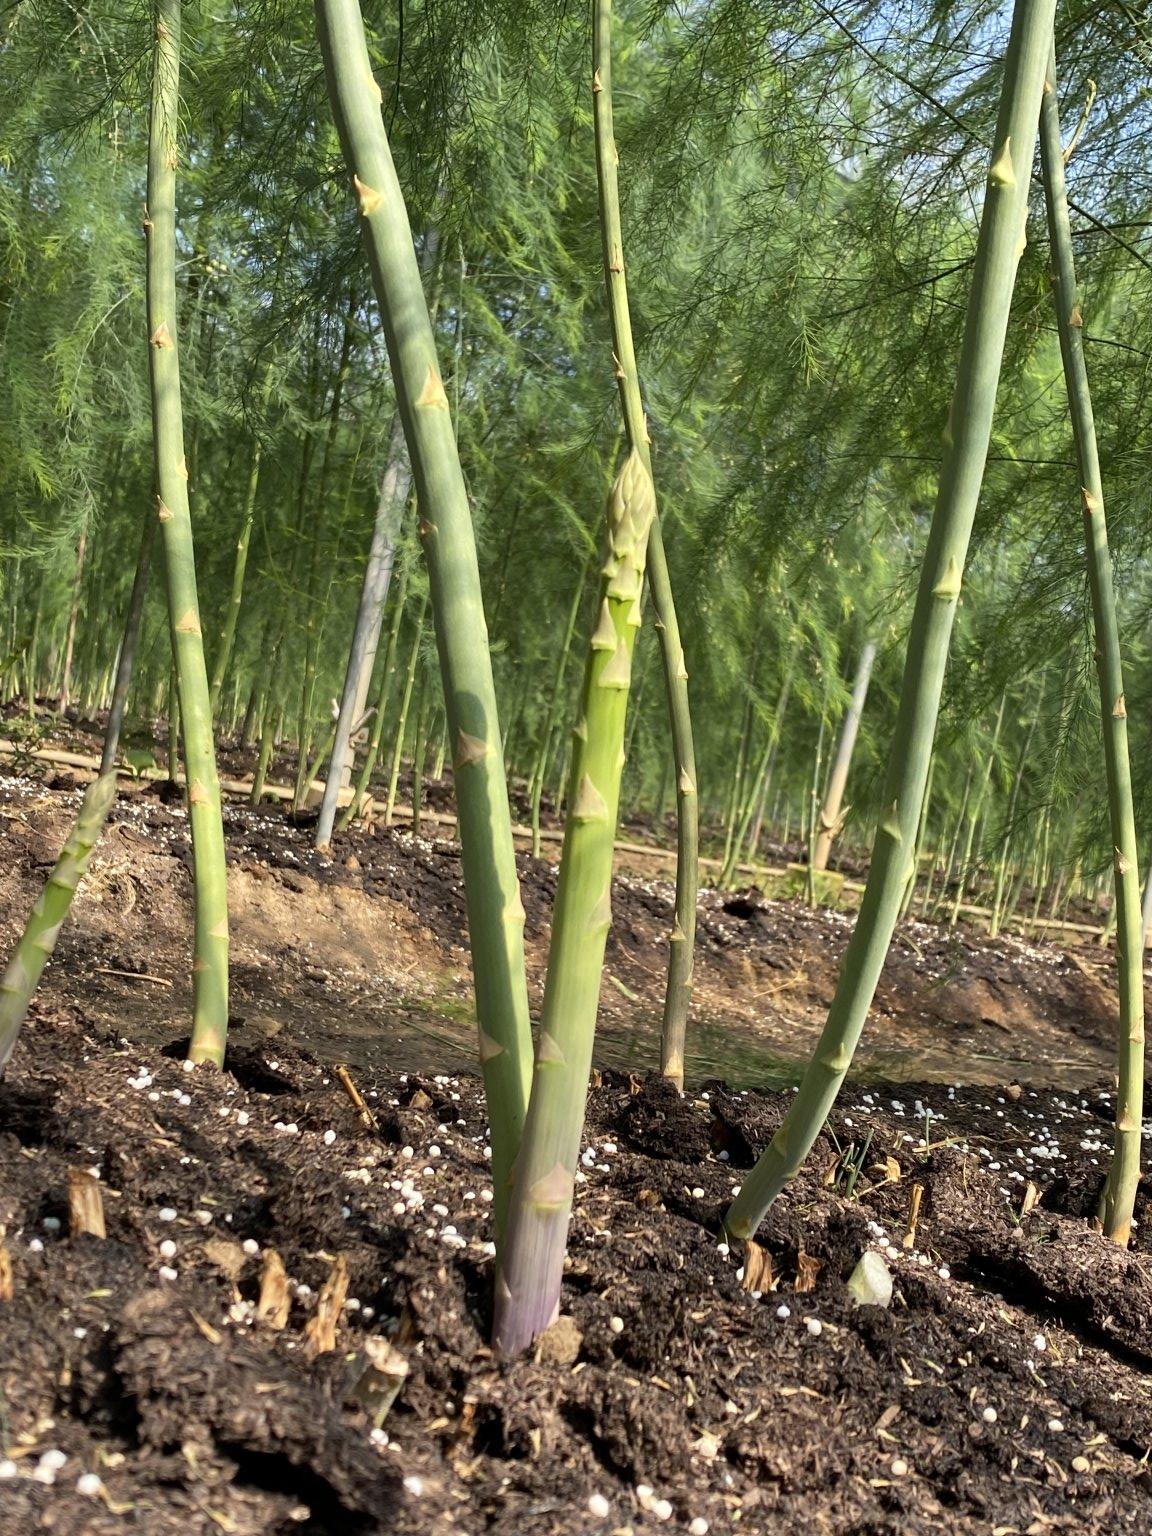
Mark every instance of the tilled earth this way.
pixel 362 955
pixel 1006 1389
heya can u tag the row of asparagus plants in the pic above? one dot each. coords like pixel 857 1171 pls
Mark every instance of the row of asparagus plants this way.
pixel 536 1092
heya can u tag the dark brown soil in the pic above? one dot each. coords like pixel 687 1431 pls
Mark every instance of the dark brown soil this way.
pixel 1006 1391
pixel 145 1366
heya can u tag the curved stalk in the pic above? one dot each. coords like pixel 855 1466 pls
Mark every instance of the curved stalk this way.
pixel 492 892
pixel 210 967
pixel 394 486
pixel 38 940
pixel 831 815
pixel 998 249
pixel 680 958
pixel 1124 1173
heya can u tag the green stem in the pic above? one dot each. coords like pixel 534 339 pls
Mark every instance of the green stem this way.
pixel 921 837
pixel 975 815
pixel 126 661
pixel 814 811
pixel 1003 866
pixel 733 814
pixel 405 705
pixel 492 893
pixel 385 689
pixel 532 1265
pixel 832 812
pixel 228 637
pixel 678 993
pixel 210 967
pixel 1124 1173
pixel 540 767
pixel 394 486
pixel 1000 243
pixel 43 928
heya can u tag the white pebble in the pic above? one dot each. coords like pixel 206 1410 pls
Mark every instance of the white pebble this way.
pixel 167 1214
pixel 167 1249
pixel 697 1193
pixel 35 1246
pixel 329 1138
pixel 783 1311
pixel 251 1247
pixel 616 1324
pixel 989 1415
pixel 1056 1426
pixel 241 1117
pixel 1040 1343
pixel 187 1066
pixel 8 1470
pixel 598 1506
pixel 899 1468
pixel 88 1484
pixel 51 1223
pixel 414 1485
pixel 814 1326
pixel 167 1272
pixel 698 1526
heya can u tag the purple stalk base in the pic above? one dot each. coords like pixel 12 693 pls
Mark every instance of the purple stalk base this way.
pixel 528 1289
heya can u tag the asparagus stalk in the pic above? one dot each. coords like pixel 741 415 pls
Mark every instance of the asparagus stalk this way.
pixel 402 719
pixel 678 993
pixel 383 690
pixel 532 1264
pixel 236 598
pixel 831 818
pixel 1124 1173
pixel 43 929
pixel 966 437
pixel 369 617
pixel 547 730
pixel 210 965
pixel 126 660
pixel 492 892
